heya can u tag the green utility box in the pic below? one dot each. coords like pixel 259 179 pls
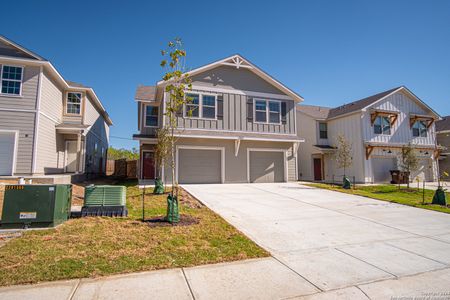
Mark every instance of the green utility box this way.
pixel 36 206
pixel 105 200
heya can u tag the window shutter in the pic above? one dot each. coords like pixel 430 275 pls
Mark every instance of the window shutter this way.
pixel 250 109
pixel 220 107
pixel 283 112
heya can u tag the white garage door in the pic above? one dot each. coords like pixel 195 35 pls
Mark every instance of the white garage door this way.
pixel 424 171
pixel 199 166
pixel 7 141
pixel 381 168
pixel 266 166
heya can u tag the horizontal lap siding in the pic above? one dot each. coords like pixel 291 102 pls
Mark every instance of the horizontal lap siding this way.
pixel 29 91
pixel 24 123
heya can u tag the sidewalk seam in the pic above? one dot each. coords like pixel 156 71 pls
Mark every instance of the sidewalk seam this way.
pixel 357 286
pixel 72 293
pixel 278 260
pixel 187 282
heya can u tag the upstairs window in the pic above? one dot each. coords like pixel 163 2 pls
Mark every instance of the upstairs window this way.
pixel 419 129
pixel 73 104
pixel 382 125
pixel 11 80
pixel 267 111
pixel 151 116
pixel 201 106
pixel 323 130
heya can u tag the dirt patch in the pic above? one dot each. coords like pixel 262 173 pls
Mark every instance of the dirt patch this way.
pixel 188 200
pixel 185 220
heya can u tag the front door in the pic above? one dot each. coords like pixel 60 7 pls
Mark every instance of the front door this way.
pixel 148 165
pixel 317 169
pixel 71 156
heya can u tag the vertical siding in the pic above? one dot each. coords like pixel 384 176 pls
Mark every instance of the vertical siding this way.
pixel 24 123
pixel 29 91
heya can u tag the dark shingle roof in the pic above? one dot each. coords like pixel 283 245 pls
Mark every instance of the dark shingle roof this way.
pixel 76 84
pixel 145 92
pixel 359 104
pixel 443 124
pixel 317 112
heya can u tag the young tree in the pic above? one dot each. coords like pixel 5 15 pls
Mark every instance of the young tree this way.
pixel 177 82
pixel 408 160
pixel 344 151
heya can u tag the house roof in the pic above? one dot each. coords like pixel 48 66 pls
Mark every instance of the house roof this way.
pixel 359 104
pixel 145 93
pixel 34 59
pixel 239 61
pixel 444 124
pixel 317 112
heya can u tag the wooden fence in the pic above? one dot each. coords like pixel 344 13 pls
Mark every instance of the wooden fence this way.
pixel 122 168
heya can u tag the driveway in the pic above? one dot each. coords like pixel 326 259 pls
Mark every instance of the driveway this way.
pixel 343 245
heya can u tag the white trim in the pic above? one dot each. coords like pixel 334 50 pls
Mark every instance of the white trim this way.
pixel 36 122
pixel 15 80
pixel 221 137
pixel 20 48
pixel 222 156
pixel 240 92
pixel 145 116
pixel 200 106
pixel 285 165
pixel 237 144
pixel 49 117
pixel 67 102
pixel 267 111
pixel 237 131
pixel 16 142
pixel 142 165
pixel 239 61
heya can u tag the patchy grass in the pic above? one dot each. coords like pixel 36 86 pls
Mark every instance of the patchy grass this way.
pixel 391 193
pixel 90 247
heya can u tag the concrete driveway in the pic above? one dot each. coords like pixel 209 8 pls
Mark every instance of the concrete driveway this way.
pixel 344 246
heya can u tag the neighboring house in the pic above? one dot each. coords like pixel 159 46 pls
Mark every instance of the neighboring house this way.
pixel 443 139
pixel 377 127
pixel 242 127
pixel 48 125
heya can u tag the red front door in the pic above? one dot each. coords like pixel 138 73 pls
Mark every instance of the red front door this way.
pixel 148 164
pixel 317 169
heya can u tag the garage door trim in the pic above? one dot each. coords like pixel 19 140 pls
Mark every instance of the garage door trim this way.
pixel 16 135
pixel 222 158
pixel 284 151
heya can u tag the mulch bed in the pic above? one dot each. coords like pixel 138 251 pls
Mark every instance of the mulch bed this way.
pixel 185 220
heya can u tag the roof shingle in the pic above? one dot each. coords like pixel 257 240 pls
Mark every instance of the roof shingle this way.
pixel 443 124
pixel 317 112
pixel 145 92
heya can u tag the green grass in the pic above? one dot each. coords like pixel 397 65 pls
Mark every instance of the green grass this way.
pixel 391 193
pixel 90 247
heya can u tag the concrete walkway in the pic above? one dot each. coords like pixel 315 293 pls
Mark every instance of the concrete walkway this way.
pixel 325 245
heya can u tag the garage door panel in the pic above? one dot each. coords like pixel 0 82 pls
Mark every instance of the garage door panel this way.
pixel 7 141
pixel 266 166
pixel 381 168
pixel 424 171
pixel 199 166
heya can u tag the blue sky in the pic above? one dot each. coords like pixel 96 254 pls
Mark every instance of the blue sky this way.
pixel 330 52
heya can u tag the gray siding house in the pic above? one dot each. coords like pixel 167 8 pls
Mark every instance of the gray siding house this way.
pixel 48 125
pixel 242 128
pixel 443 140
pixel 377 128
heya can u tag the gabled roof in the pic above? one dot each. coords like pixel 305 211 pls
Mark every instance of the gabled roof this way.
pixel 443 124
pixel 21 48
pixel 316 112
pixel 76 84
pixel 371 100
pixel 238 61
pixel 145 93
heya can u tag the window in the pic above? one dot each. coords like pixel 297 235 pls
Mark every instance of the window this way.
pixel 201 106
pixel 323 130
pixel 151 116
pixel 73 105
pixel 382 125
pixel 11 80
pixel 193 106
pixel 419 129
pixel 267 111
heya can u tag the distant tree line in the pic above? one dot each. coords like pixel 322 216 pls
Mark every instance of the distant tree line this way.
pixel 122 153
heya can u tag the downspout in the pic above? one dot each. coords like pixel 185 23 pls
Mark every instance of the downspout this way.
pixel 36 121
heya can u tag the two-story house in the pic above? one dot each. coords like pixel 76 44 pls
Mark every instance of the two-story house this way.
pixel 48 125
pixel 443 140
pixel 242 127
pixel 377 128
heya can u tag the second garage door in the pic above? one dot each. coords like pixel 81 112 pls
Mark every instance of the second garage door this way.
pixel 266 166
pixel 199 166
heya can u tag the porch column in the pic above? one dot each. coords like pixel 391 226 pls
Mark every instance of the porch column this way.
pixel 79 160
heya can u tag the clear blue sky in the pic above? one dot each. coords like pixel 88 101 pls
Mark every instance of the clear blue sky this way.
pixel 330 52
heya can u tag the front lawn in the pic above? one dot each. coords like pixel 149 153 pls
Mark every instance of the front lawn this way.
pixel 90 247
pixel 391 193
